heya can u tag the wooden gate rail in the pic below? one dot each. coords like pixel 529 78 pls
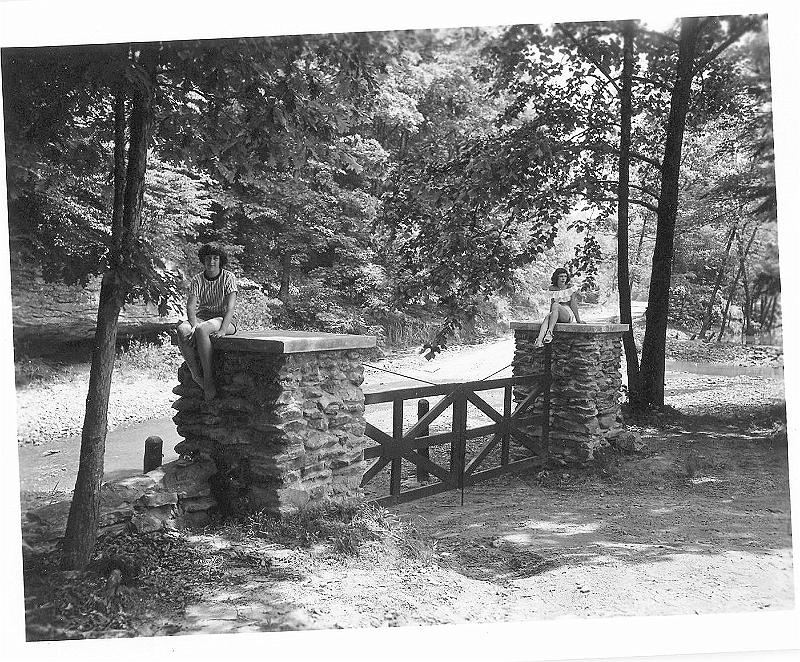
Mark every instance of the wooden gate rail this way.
pixel 392 449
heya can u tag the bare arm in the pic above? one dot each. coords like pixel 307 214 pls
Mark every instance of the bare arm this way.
pixel 230 306
pixel 191 312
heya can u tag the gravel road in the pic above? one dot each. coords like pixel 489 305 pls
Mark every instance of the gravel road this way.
pixel 53 411
pixel 50 412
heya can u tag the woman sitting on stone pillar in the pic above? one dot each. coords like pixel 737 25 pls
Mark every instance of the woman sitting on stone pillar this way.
pixel 563 306
pixel 210 309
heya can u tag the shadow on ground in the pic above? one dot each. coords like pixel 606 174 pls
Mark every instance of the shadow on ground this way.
pixel 701 493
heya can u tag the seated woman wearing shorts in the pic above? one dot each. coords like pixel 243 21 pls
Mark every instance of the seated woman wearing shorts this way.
pixel 563 306
pixel 210 309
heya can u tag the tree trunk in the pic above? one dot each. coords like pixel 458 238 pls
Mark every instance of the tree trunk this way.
pixel 638 257
pixel 119 168
pixel 728 302
pixel 654 346
pixel 773 308
pixel 762 307
pixel 286 267
pixel 748 302
pixel 732 291
pixel 717 284
pixel 747 327
pixel 637 260
pixel 623 191
pixel 81 532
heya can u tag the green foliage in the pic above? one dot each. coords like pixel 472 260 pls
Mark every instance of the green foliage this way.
pixel 316 307
pixel 458 229
pixel 158 359
pixel 688 302
pixel 402 328
pixel 256 310
pixel 29 371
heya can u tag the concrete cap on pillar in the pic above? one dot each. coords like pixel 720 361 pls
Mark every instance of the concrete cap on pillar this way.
pixel 292 342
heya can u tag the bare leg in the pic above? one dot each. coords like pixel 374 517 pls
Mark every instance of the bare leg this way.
pixel 557 314
pixel 555 309
pixel 187 350
pixel 542 331
pixel 201 335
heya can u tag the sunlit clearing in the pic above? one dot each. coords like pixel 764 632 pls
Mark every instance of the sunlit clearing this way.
pixel 562 528
pixel 659 23
pixel 705 479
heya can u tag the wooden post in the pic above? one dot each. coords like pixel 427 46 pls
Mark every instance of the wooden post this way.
pixel 423 407
pixel 153 447
pixel 506 435
pixel 397 439
pixel 457 445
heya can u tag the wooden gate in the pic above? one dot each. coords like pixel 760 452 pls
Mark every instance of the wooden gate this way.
pixel 414 444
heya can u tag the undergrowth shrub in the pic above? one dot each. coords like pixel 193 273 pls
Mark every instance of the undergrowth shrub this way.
pixel 159 358
pixel 257 310
pixel 29 371
pixel 402 329
pixel 344 529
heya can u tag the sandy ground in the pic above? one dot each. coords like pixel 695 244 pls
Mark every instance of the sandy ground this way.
pixel 641 540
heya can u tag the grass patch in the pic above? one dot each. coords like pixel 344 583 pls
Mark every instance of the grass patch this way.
pixel 36 371
pixel 341 529
pixel 157 359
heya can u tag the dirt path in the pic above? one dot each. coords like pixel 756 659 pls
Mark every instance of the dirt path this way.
pixel 641 540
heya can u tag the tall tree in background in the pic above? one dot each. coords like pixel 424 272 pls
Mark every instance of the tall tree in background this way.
pixel 113 87
pixel 129 176
pixel 712 37
pixel 623 191
pixel 654 345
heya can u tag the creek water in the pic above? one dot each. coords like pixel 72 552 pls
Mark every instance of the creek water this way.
pixel 724 370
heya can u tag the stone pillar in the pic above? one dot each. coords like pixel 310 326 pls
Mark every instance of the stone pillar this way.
pixel 585 390
pixel 287 427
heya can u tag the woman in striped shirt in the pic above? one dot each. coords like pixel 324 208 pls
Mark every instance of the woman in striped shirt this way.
pixel 210 309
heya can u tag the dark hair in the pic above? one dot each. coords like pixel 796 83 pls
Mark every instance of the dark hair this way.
pixel 557 273
pixel 209 249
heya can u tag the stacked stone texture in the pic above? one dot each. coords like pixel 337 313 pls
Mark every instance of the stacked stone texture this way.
pixel 285 431
pixel 584 394
pixel 172 496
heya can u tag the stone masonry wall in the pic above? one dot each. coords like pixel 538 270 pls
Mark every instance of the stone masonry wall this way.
pixel 286 430
pixel 172 496
pixel 585 390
